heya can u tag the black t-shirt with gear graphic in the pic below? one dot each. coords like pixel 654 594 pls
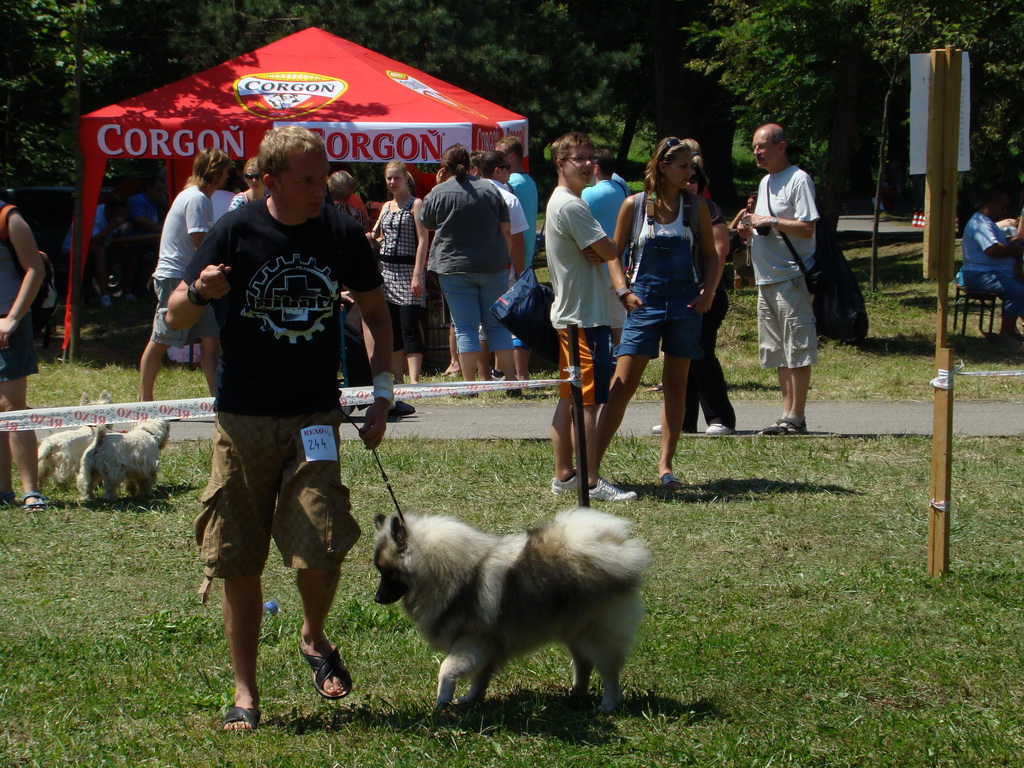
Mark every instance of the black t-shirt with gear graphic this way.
pixel 280 327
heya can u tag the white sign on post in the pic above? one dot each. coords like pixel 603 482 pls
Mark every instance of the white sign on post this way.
pixel 920 82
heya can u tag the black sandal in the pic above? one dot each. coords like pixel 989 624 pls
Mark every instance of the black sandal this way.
pixel 250 716
pixel 326 668
pixel 785 427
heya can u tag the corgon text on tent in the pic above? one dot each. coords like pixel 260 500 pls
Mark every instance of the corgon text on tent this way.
pixel 382 147
pixel 115 141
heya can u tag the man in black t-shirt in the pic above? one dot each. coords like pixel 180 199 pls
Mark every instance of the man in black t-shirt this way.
pixel 275 268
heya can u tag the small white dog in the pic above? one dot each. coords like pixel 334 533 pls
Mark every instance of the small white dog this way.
pixel 129 458
pixel 60 454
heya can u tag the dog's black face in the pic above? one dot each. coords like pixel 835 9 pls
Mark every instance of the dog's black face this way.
pixel 391 540
pixel 391 587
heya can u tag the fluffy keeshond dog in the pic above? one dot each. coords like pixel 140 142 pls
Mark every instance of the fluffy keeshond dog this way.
pixel 484 599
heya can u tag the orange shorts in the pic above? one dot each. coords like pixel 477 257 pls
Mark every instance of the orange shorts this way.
pixel 596 363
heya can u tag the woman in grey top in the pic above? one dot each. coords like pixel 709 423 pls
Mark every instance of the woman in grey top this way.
pixel 21 274
pixel 470 255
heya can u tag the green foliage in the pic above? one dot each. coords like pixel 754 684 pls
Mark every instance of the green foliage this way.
pixel 778 58
pixel 559 63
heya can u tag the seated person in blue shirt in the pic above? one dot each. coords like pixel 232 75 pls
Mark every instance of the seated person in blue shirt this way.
pixel 992 262
pixel 138 263
pixel 111 220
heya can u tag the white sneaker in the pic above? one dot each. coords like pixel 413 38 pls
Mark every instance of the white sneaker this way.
pixel 558 487
pixel 605 491
pixel 719 429
pixel 656 429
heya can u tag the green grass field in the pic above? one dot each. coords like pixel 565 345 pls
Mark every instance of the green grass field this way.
pixel 790 620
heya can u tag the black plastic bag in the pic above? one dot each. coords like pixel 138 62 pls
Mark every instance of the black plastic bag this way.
pixel 525 309
pixel 839 309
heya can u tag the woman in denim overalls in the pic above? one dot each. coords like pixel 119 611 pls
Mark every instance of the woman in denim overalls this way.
pixel 664 293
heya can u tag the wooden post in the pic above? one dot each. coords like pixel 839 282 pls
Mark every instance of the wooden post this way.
pixel 578 421
pixel 940 241
pixel 942 467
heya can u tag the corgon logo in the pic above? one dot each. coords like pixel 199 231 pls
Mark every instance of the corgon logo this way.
pixel 280 95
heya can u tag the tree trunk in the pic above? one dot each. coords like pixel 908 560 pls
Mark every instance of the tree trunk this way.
pixel 628 132
pixel 843 132
pixel 687 104
pixel 882 144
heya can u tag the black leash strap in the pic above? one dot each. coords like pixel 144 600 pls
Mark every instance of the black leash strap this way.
pixel 383 474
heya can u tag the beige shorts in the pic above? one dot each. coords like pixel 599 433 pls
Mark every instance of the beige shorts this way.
pixel 263 487
pixel 786 334
pixel 205 327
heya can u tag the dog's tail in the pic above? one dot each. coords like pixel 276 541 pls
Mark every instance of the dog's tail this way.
pixel 160 430
pixel 603 540
pixel 85 471
pixel 45 449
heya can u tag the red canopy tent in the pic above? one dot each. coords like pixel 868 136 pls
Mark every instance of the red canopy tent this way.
pixel 367 107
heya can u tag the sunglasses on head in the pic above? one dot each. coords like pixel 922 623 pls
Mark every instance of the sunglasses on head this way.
pixel 670 144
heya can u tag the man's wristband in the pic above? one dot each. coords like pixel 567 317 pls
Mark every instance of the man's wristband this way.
pixel 384 387
pixel 622 292
pixel 195 297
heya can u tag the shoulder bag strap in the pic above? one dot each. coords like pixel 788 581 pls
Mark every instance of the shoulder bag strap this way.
pixel 5 214
pixel 785 238
pixel 638 222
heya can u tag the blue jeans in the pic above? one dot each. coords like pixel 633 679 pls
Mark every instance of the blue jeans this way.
pixel 469 296
pixel 1009 288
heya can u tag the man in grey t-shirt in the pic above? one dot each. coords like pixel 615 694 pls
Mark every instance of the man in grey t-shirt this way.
pixel 786 334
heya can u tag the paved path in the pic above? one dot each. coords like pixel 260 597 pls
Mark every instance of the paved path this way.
pixel 865 222
pixel 526 420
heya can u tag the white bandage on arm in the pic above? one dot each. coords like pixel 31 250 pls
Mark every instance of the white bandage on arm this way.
pixel 384 386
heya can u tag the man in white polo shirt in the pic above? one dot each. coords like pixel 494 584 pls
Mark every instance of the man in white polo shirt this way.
pixel 786 334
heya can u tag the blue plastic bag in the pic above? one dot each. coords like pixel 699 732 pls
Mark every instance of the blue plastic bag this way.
pixel 525 309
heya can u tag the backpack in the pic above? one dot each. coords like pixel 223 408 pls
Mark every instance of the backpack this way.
pixel 839 309
pixel 44 306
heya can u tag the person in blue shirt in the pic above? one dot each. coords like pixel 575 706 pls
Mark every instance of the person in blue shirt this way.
pixel 992 262
pixel 605 198
pixel 525 190
pixel 111 221
pixel 137 262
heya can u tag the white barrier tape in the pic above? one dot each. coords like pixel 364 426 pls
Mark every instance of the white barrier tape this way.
pixel 943 381
pixel 202 407
pixel 945 378
pixel 940 506
pixel 364 396
pixel 113 413
pixel 992 373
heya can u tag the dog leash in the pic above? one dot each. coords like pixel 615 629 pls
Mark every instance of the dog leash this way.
pixel 383 474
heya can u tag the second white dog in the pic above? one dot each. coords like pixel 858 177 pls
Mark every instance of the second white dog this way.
pixel 123 458
pixel 60 454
